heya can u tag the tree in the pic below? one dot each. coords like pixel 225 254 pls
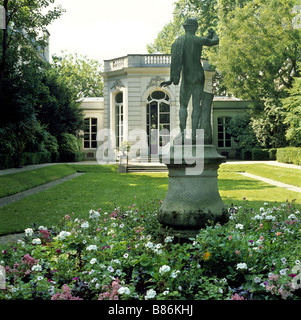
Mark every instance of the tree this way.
pixel 292 112
pixel 82 75
pixel 58 107
pixel 25 32
pixel 258 50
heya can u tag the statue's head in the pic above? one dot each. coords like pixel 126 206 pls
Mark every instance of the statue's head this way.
pixel 191 24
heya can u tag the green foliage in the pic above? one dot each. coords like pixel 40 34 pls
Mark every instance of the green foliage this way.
pixel 70 148
pixel 258 49
pixel 292 112
pixel 58 107
pixel 249 258
pixel 269 126
pixel 82 75
pixel 241 131
pixel 289 155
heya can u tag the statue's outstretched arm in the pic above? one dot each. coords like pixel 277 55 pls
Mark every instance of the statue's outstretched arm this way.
pixel 211 39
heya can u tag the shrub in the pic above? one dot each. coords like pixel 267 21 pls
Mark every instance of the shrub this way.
pixel 70 148
pixel 289 155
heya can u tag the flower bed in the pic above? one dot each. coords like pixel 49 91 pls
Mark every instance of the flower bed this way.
pixel 119 255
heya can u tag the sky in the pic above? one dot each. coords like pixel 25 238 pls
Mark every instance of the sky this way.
pixel 107 29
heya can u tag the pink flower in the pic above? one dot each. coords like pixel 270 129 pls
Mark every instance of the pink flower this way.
pixel 237 297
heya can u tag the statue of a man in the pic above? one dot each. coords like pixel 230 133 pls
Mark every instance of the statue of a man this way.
pixel 186 54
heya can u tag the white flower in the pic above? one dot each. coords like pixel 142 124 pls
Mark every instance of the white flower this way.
pixel 261 209
pixel 283 272
pixel 174 273
pixel 239 226
pixel 39 278
pixel 121 225
pixel 257 279
pixel 126 255
pixel 124 290
pixel 298 262
pixel 151 293
pixel 168 239
pixel 165 293
pixel 164 269
pixel 85 225
pixel 270 217
pixel 94 214
pixel 36 241
pixel 110 269
pixel 265 204
pixel 292 217
pixel 92 247
pixel 62 235
pixel 28 232
pixel 36 267
pixel 283 260
pixel 149 245
pixel 42 228
pixel 93 260
pixel 241 266
pixel 76 220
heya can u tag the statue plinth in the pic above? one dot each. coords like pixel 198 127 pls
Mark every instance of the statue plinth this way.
pixel 193 198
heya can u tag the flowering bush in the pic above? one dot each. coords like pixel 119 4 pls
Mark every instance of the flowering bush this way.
pixel 120 255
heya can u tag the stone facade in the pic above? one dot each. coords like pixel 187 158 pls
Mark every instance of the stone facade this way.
pixel 134 104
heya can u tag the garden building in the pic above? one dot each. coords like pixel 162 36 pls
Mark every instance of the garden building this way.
pixel 137 110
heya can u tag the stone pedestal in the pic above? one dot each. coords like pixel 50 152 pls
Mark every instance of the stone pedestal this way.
pixel 193 198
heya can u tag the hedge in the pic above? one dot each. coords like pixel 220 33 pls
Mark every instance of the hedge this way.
pixel 26 158
pixel 263 154
pixel 289 155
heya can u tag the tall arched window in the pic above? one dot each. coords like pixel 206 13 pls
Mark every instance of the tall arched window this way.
pixel 158 120
pixel 90 133
pixel 119 118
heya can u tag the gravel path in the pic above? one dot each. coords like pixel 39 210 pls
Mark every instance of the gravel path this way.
pixel 273 182
pixel 16 197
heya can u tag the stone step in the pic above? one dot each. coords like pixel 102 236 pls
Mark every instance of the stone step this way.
pixel 146 168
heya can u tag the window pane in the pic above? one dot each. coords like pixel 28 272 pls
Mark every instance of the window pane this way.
pixel 86 137
pixel 220 136
pixel 94 144
pixel 86 144
pixel 94 129
pixel 119 97
pixel 164 107
pixel 93 136
pixel 228 143
pixel 164 118
pixel 158 95
pixel 220 143
pixel 94 121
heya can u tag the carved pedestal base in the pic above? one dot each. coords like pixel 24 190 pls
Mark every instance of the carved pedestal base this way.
pixel 192 200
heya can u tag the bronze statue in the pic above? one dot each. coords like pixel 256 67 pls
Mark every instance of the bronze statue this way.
pixel 186 54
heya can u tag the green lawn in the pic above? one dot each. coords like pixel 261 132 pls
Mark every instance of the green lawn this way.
pixel 21 181
pixel 281 174
pixel 102 187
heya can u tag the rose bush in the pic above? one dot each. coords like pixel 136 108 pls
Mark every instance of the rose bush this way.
pixel 120 255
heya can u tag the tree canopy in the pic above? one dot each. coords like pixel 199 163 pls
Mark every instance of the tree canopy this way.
pixel 80 73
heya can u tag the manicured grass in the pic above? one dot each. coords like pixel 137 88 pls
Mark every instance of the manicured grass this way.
pixel 281 174
pixel 101 187
pixel 21 181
